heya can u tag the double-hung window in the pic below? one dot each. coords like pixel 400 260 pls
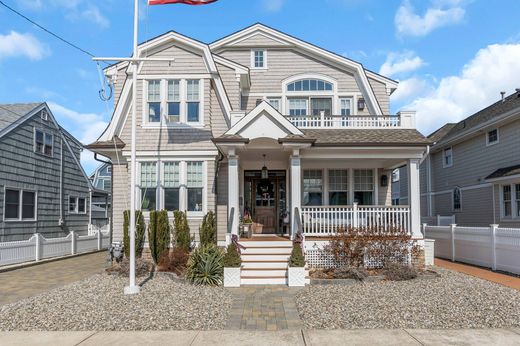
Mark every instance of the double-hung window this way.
pixel 312 187
pixel 338 187
pixel 148 185
pixel 192 100
pixel 506 201
pixel 345 106
pixel 447 157
pixel 77 205
pixel 171 184
pixel 492 137
pixel 19 205
pixel 319 105
pixel 364 186
pixel 258 59
pixel 43 142
pixel 174 101
pixel 154 101
pixel 275 102
pixel 195 185
pixel 297 107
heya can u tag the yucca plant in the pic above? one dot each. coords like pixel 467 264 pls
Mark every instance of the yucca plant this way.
pixel 205 266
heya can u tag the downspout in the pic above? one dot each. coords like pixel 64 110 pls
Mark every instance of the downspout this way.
pixel 217 164
pixel 61 221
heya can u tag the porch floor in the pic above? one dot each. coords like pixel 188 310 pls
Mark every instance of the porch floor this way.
pixel 265 237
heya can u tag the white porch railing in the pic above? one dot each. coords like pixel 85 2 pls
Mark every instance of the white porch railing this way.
pixel 327 220
pixel 341 121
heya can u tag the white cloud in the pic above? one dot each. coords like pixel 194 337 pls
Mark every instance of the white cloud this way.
pixel 86 127
pixel 411 88
pixel 397 63
pixel 26 45
pixel 93 14
pixel 493 69
pixel 441 13
pixel 273 5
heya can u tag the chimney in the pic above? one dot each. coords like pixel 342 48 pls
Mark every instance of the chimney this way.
pixel 502 93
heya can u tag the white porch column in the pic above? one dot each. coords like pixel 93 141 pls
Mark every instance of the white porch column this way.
pixel 295 190
pixel 233 191
pixel 414 198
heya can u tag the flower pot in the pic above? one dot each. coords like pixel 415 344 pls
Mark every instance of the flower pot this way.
pixel 247 233
pixel 296 276
pixel 232 276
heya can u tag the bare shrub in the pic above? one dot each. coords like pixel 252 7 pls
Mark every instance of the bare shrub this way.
pixel 142 267
pixel 346 272
pixel 174 261
pixel 399 272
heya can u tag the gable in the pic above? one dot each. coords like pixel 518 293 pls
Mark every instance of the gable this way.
pixel 259 40
pixel 184 60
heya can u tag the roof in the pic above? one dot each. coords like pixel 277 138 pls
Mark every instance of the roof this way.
pixel 10 113
pixel 117 143
pixel 440 133
pixel 366 137
pixel 504 172
pixel 489 113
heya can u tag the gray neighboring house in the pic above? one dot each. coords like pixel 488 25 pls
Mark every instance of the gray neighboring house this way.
pixel 473 169
pixel 101 179
pixel 43 188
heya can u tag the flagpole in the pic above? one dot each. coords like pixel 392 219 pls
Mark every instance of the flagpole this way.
pixel 132 288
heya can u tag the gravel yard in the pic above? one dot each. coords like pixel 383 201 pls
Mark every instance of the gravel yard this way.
pixel 453 300
pixel 98 303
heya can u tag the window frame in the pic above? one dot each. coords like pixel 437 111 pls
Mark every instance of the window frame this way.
pixel 329 189
pixel 488 143
pixel 44 134
pixel 350 101
pixel 322 191
pixel 276 99
pixel 514 201
pixel 374 184
pixel 253 59
pixel 76 210
pixel 453 206
pixel 444 164
pixel 20 205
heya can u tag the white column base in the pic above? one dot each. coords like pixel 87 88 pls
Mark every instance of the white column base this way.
pixel 132 289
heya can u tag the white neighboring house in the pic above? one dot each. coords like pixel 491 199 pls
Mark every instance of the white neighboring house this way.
pixel 263 123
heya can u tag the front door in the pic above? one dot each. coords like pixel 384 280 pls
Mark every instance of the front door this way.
pixel 265 199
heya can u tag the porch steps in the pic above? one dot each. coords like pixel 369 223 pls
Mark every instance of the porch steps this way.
pixel 265 262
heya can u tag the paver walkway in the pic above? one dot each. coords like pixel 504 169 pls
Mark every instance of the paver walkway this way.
pixel 486 274
pixel 29 281
pixel 264 308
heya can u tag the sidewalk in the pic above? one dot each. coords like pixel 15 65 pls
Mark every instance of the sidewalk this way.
pixel 29 281
pixel 375 337
pixel 486 274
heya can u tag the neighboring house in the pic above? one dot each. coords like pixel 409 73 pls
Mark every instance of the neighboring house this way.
pixel 43 186
pixel 101 179
pixel 258 122
pixel 473 169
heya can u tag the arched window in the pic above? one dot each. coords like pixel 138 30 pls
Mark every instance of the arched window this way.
pixel 457 201
pixel 309 85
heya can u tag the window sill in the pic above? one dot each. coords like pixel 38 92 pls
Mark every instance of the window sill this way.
pixel 173 126
pixel 20 220
pixel 491 144
pixel 259 68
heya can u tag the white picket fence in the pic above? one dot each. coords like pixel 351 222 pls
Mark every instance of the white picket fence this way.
pixel 438 220
pixel 38 247
pixel 494 247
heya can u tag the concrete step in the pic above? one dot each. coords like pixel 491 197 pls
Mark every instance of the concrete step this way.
pixel 263 281
pixel 265 264
pixel 256 243
pixel 263 272
pixel 267 250
pixel 265 257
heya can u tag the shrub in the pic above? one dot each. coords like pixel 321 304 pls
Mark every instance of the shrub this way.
pixel 182 230
pixel 232 257
pixel 158 234
pixel 296 259
pixel 174 261
pixel 397 272
pixel 139 233
pixel 208 229
pixel 205 266
pixel 142 267
pixel 347 272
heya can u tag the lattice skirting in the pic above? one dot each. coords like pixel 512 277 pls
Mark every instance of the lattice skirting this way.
pixel 321 259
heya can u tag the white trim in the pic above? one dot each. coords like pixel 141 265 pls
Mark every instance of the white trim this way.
pixel 42 153
pixel 20 206
pixel 195 154
pixel 264 59
pixel 488 143
pixel 513 201
pixel 174 76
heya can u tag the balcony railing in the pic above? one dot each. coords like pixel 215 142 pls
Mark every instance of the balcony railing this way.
pixel 353 121
pixel 327 220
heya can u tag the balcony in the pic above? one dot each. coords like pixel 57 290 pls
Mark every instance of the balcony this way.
pixel 402 120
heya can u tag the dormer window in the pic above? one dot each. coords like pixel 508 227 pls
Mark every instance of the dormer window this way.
pixel 309 85
pixel 258 59
pixel 44 115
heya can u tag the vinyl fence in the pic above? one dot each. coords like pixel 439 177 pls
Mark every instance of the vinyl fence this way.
pixel 495 247
pixel 438 220
pixel 38 247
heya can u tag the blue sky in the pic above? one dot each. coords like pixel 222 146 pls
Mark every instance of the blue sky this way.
pixel 452 57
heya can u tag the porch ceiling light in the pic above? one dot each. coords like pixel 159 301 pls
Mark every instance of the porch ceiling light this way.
pixel 265 171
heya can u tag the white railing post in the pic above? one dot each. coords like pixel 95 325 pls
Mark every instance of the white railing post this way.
pixel 322 118
pixel 38 245
pixel 493 246
pixel 99 238
pixel 355 216
pixel 73 243
pixel 438 220
pixel 452 228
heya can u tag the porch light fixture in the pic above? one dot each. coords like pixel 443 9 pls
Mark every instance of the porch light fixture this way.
pixel 361 104
pixel 265 172
pixel 384 180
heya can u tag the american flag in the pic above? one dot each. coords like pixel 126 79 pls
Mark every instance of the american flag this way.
pixel 186 2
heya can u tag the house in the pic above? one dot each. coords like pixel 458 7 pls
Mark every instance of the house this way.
pixel 264 123
pixel 43 186
pixel 473 168
pixel 101 179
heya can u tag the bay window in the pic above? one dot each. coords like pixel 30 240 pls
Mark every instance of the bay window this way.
pixel 43 142
pixel 148 185
pixel 338 187
pixel 154 101
pixel 174 102
pixel 195 185
pixel 192 100
pixel 364 186
pixel 312 187
pixel 171 185
pixel 20 205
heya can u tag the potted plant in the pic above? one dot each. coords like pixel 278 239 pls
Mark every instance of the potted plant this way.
pixel 232 266
pixel 296 266
pixel 247 223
